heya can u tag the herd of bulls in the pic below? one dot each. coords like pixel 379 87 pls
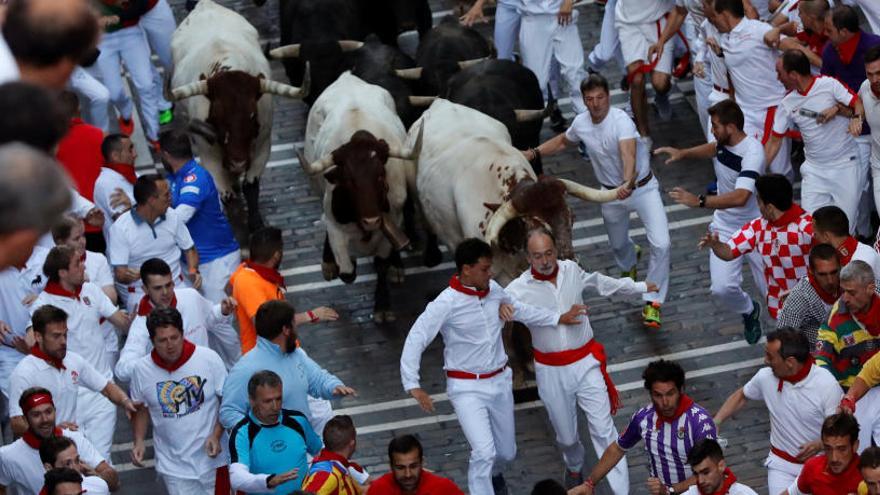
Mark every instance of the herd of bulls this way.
pixel 459 164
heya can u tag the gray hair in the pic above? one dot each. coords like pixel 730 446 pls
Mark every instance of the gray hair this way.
pixel 34 191
pixel 265 378
pixel 858 271
pixel 540 230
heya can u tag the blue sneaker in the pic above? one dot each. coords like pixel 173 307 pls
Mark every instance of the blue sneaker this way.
pixel 752 324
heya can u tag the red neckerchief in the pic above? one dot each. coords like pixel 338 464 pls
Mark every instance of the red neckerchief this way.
pixel 55 289
pixel 847 250
pixel 824 295
pixel 729 480
pixel 146 306
pixel 57 363
pixel 327 455
pixel 34 441
pixel 847 49
pixel 871 318
pixel 684 403
pixel 545 278
pixel 188 349
pixel 268 274
pixel 455 284
pixel 800 375
pixel 789 216
pixel 124 170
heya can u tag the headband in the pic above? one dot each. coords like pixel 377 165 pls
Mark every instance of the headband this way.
pixel 35 400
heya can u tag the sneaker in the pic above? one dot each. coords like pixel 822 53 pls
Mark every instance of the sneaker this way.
pixel 573 479
pixel 683 66
pixel 126 126
pixel 624 84
pixel 663 107
pixel 499 486
pixel 154 146
pixel 633 272
pixel 651 315
pixel 166 116
pixel 752 324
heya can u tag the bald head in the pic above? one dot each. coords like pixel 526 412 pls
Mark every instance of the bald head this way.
pixel 815 8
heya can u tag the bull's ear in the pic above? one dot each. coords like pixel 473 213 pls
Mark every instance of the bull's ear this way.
pixel 332 175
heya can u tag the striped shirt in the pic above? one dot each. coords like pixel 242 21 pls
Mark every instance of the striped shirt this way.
pixel 668 442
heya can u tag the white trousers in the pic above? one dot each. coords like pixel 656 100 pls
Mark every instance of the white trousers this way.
pixel 780 473
pixel 223 338
pixel 702 85
pixel 541 40
pixel 184 486
pixel 727 277
pixel 875 179
pixel 485 413
pixel 158 25
pixel 646 202
pixel 565 388
pixel 866 199
pixel 9 359
pixel 96 418
pixel 758 122
pixel 832 183
pixel 506 30
pixel 608 47
pixel 868 416
pixel 94 98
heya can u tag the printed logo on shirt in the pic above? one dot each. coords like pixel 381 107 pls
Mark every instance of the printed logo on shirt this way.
pixel 278 446
pixel 74 376
pixel 680 433
pixel 177 399
pixel 190 178
pixel 190 189
pixel 37 280
pixel 849 340
pixel 86 301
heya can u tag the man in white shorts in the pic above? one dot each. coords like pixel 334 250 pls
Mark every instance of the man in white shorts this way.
pixel 620 155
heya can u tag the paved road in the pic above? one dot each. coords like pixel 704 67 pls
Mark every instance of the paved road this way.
pixel 705 339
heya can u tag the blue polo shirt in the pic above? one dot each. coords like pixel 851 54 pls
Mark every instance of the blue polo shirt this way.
pixel 193 185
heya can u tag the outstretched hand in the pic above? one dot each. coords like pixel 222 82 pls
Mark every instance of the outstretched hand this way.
pixel 573 315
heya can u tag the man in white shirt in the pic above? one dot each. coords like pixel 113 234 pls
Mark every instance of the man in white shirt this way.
pixel 570 365
pixel 61 452
pixel 738 160
pixel 181 384
pixel 150 229
pixel 478 382
pixel 620 155
pixel 830 226
pixel 507 21
pixel 799 396
pixel 713 475
pixel 831 167
pixel 114 187
pixel 200 316
pixel 869 93
pixel 20 464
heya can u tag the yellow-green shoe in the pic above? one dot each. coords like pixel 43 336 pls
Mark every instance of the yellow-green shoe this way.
pixel 651 315
pixel 166 116
pixel 633 272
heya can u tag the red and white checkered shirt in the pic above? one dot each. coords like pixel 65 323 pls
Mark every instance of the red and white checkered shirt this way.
pixel 784 245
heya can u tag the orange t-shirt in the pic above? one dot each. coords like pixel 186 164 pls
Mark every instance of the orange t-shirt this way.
pixel 250 290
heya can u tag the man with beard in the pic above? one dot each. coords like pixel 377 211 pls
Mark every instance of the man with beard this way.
pixel 738 159
pixel 836 471
pixel 61 452
pixel 408 475
pixel 713 476
pixel 807 306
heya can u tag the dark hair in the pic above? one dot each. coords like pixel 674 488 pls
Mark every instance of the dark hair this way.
pixel 728 112
pixel 58 259
pixel 63 227
pixel 34 190
pixel 175 142
pixel 873 54
pixel 824 252
pixel 735 7
pixel 52 446
pixel 145 187
pixel 46 314
pixel 271 318
pixel 41 37
pixel 776 190
pixel 112 144
pixel 842 16
pixel 470 251
pixel 869 458
pixel 548 487
pixel 707 447
pixel 832 220
pixel 663 371
pixel 163 317
pixel 154 266
pixel 30 115
pixel 594 81
pixel 338 432
pixel 57 476
pixel 68 103
pixel 792 343
pixel 264 243
pixel 841 425
pixel 796 61
pixel 404 444
pixel 264 378
pixel 26 395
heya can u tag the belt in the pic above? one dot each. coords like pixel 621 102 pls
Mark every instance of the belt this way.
pixel 563 358
pixel 639 184
pixel 719 88
pixel 465 375
pixel 785 455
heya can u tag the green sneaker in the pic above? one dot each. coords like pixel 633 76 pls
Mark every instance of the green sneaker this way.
pixel 166 116
pixel 651 315
pixel 752 324
pixel 632 272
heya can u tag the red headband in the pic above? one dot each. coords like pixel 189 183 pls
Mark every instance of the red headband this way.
pixel 35 400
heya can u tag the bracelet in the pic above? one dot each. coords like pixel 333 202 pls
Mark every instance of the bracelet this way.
pixel 589 482
pixel 535 154
pixel 193 271
pixel 848 402
pixel 312 317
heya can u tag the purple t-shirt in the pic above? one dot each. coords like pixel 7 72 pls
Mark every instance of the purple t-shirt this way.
pixel 668 445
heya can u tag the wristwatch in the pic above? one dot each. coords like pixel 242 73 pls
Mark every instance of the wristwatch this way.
pixel 702 198
pixel 671 490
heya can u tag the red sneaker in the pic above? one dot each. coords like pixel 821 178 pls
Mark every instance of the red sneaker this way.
pixel 683 66
pixel 126 126
pixel 154 145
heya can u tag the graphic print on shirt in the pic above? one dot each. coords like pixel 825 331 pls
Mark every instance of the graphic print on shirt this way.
pixel 179 398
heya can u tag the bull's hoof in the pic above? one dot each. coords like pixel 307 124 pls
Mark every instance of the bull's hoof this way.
pixel 432 256
pixel 384 316
pixel 395 274
pixel 348 277
pixel 329 270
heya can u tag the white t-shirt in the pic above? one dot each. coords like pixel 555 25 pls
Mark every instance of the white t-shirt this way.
pixel 98 269
pixel 824 144
pixel 183 408
pixel 735 489
pixel 105 185
pixel 15 286
pixel 641 11
pixel 542 7
pixel 871 9
pixel 8 67
pixel 64 384
pixel 872 117
pixel 602 141
pixel 867 254
pixel 84 334
pixel 717 64
pixel 95 485
pixel 20 464
pixel 738 167
pixel 752 65
pixel 797 412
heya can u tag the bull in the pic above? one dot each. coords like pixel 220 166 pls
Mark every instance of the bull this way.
pixel 389 18
pixel 375 63
pixel 355 139
pixel 222 74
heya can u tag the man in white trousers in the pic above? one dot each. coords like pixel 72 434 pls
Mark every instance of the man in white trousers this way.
pixel 479 383
pixel 869 93
pixel 507 21
pixel 158 24
pixel 863 401
pixel 96 97
pixel 570 365
pixel 620 155
pixel 738 160
pixel 608 47
pixel 710 60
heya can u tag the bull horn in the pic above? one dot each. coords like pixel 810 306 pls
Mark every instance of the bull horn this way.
pixel 191 89
pixel 412 74
pixel 286 90
pixel 421 101
pixel 464 64
pixel 286 51
pixel 350 45
pixel 314 168
pixel 412 153
pixel 525 115
pixel 505 213
pixel 588 193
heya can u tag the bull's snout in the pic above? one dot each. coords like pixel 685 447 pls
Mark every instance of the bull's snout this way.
pixel 372 223
pixel 238 166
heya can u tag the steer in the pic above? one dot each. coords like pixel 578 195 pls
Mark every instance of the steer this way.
pixel 223 75
pixel 354 138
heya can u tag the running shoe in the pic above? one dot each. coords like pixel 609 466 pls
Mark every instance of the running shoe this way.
pixel 633 272
pixel 651 315
pixel 752 324
pixel 126 126
pixel 166 116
